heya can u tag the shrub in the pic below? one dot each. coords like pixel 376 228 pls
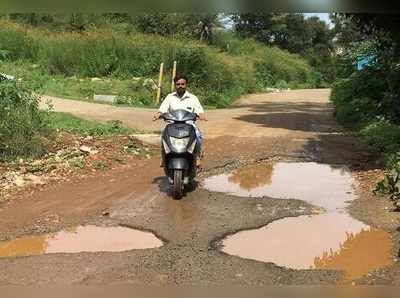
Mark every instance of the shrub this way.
pixel 22 125
pixel 359 98
pixel 366 101
pixel 382 136
pixel 391 183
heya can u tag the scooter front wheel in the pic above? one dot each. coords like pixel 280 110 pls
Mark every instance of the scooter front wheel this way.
pixel 177 187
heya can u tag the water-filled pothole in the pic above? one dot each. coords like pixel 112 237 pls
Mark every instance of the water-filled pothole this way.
pixel 319 184
pixel 81 239
pixel 332 240
pixel 325 241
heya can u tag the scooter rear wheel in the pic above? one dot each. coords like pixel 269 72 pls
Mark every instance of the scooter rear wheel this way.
pixel 177 187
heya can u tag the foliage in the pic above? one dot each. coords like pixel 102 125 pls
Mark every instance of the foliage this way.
pixel 22 125
pixel 3 55
pixel 291 31
pixel 391 183
pixel 382 135
pixel 272 66
pixel 174 24
pixel 63 63
pixel 369 99
pixel 358 99
pixel 310 37
pixel 77 22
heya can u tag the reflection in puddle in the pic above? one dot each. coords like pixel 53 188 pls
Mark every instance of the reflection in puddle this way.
pixel 325 241
pixel 333 240
pixel 80 239
pixel 319 184
pixel 251 177
pixel 359 254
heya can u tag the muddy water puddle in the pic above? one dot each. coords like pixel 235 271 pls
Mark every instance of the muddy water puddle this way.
pixel 81 239
pixel 331 240
pixel 325 241
pixel 318 184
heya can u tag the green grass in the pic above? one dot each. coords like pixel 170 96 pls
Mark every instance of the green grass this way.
pixel 129 91
pixel 71 123
pixel 62 64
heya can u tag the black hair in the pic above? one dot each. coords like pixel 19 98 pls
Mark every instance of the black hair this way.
pixel 180 77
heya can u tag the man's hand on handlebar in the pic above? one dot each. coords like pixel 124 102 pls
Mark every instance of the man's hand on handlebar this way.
pixel 202 117
pixel 157 116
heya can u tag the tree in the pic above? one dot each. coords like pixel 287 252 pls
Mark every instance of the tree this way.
pixel 290 31
pixel 310 37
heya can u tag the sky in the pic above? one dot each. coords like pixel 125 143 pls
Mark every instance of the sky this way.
pixel 322 16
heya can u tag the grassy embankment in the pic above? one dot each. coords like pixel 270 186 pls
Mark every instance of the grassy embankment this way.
pixel 64 64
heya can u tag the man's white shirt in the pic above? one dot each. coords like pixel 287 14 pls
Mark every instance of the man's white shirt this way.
pixel 188 102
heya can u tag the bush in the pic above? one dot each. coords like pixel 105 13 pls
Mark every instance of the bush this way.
pixel 22 125
pixel 365 101
pixel 382 136
pixel 359 99
pixel 276 65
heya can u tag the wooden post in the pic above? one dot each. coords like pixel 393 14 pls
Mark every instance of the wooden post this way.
pixel 173 77
pixel 160 82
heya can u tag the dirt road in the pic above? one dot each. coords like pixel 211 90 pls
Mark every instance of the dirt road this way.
pixel 287 126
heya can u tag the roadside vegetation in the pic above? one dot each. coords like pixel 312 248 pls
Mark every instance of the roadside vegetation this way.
pixel 73 124
pixel 121 60
pixel 23 127
pixel 27 132
pixel 368 99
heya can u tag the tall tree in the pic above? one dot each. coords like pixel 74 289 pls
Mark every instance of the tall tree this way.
pixel 290 31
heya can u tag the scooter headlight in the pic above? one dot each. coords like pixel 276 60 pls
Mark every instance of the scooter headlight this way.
pixel 179 144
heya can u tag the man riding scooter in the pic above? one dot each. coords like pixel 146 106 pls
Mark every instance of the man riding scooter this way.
pixel 181 99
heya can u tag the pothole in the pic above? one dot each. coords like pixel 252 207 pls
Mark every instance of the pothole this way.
pixel 81 239
pixel 332 240
pixel 318 184
pixel 325 241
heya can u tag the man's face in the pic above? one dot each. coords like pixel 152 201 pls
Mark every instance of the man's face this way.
pixel 180 86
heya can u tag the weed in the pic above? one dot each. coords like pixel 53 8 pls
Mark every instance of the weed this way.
pixel 100 165
pixel 22 125
pixel 77 162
